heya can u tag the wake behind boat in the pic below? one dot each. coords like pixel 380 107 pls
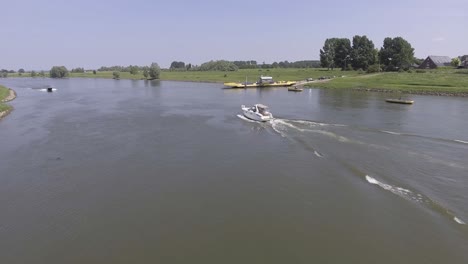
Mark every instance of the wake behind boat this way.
pixel 258 112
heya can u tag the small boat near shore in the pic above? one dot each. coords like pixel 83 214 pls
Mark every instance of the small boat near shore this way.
pixel 258 112
pixel 263 81
pixel 295 89
pixel 398 101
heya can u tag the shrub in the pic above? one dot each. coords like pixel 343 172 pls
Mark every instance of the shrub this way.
pixel 154 71
pixel 116 75
pixel 373 68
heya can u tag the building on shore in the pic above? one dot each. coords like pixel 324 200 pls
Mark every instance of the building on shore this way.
pixel 432 62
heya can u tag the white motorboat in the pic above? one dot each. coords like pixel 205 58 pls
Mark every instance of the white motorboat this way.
pixel 257 112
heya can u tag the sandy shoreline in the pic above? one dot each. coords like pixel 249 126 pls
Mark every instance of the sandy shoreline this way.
pixel 9 98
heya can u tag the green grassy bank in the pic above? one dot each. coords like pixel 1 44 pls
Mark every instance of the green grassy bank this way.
pixel 434 82
pixel 218 76
pixel 221 77
pixel 4 92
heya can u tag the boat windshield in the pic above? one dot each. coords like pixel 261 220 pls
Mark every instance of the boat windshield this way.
pixel 262 110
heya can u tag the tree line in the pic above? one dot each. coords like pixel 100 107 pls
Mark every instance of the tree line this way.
pixel 361 54
pixel 224 65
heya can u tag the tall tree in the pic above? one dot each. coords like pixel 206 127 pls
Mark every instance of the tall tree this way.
pixel 177 65
pixel 342 52
pixel 58 72
pixel 396 53
pixel 327 54
pixel 363 53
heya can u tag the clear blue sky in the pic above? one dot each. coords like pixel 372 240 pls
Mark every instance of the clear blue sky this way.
pixel 36 35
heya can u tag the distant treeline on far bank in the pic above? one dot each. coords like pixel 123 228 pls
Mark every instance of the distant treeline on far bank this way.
pixel 222 65
pixel 213 65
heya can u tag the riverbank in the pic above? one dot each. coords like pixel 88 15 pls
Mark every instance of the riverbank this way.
pixel 6 95
pixel 443 82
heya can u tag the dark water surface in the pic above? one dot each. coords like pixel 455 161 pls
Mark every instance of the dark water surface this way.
pixel 105 171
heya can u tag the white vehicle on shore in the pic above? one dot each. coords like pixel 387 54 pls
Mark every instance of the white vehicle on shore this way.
pixel 258 112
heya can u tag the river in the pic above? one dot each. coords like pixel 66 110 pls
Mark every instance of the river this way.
pixel 125 171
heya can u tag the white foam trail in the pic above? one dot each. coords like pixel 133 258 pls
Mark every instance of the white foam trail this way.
pixel 283 122
pixel 317 154
pixel 305 122
pixel 407 194
pixel 311 123
pixel 371 180
pixel 460 141
pixel 246 119
pixel 390 132
pixel 458 220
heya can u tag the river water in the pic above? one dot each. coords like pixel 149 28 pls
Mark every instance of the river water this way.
pixel 106 171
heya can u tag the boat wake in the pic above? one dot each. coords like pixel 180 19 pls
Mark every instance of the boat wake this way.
pixel 416 197
pixel 390 132
pixel 318 154
pixel 360 142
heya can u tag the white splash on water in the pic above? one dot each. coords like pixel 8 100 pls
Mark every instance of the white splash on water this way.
pixel 402 192
pixel 460 141
pixel 458 220
pixel 390 132
pixel 318 154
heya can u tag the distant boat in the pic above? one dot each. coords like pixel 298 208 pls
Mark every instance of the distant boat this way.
pixel 399 101
pixel 263 81
pixel 295 89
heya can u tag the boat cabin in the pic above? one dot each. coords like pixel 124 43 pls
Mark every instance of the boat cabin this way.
pixel 265 79
pixel 262 109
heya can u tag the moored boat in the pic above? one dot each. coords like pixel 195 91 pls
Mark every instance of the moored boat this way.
pixel 258 112
pixel 295 89
pixel 399 101
pixel 263 81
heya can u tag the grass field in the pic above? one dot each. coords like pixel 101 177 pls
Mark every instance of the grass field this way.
pixel 4 92
pixel 219 76
pixel 252 75
pixel 442 81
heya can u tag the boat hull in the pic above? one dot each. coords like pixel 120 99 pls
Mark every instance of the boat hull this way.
pixel 292 89
pixel 399 101
pixel 261 85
